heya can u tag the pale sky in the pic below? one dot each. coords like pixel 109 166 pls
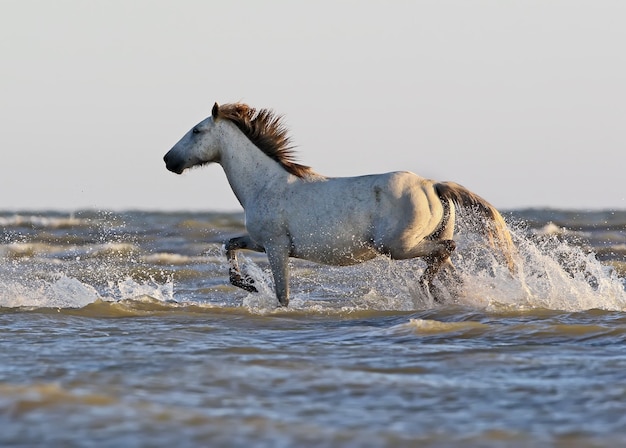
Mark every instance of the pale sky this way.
pixel 523 102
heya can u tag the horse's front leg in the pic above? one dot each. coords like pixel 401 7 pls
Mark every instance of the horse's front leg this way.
pixel 278 256
pixel 236 277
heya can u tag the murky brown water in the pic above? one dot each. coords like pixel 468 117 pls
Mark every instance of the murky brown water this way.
pixel 122 330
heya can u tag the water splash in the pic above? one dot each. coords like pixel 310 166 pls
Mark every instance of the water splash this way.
pixel 68 292
pixel 552 274
pixel 58 261
pixel 63 292
pixel 129 288
pixel 104 259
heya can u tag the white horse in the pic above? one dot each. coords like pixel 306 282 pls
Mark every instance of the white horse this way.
pixel 291 211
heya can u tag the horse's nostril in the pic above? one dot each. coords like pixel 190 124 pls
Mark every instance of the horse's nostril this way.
pixel 172 164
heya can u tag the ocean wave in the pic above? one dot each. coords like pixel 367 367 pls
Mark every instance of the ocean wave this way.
pixel 20 250
pixel 44 222
pixel 30 249
pixel 547 326
pixel 429 326
pixel 551 229
pixel 66 292
pixel 22 399
pixel 172 259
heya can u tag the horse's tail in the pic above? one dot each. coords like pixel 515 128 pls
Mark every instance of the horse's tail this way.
pixel 495 229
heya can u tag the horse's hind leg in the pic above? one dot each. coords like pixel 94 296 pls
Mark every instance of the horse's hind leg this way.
pixel 236 277
pixel 440 255
pixel 434 263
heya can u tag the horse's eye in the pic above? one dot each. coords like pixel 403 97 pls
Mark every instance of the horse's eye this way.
pixel 195 130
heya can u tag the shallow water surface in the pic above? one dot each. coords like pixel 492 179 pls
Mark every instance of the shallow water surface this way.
pixel 122 330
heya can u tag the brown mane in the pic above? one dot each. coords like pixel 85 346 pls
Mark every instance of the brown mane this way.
pixel 265 130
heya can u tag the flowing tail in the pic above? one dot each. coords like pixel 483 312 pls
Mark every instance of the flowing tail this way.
pixel 495 229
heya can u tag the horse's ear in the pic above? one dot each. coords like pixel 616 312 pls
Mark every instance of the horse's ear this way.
pixel 215 111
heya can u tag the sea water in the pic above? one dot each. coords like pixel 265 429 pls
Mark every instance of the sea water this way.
pixel 121 329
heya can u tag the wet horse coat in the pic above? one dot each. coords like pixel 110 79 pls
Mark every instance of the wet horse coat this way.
pixel 291 211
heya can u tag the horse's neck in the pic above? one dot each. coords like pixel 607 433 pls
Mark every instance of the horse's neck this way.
pixel 247 168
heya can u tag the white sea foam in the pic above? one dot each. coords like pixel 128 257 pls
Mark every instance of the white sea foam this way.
pixel 63 292
pixel 68 292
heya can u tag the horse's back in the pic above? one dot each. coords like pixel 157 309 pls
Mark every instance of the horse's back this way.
pixel 396 195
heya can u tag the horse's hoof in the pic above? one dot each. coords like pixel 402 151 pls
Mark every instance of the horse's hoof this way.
pixel 248 286
pixel 246 283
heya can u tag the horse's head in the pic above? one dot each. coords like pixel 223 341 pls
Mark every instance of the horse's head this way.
pixel 199 146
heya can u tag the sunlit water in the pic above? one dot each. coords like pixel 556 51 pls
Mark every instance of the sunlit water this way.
pixel 122 330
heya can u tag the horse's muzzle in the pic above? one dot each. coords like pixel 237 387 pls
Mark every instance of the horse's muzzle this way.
pixel 173 163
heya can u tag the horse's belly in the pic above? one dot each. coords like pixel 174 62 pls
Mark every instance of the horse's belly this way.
pixel 337 254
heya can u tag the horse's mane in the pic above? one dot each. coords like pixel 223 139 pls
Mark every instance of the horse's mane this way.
pixel 267 131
